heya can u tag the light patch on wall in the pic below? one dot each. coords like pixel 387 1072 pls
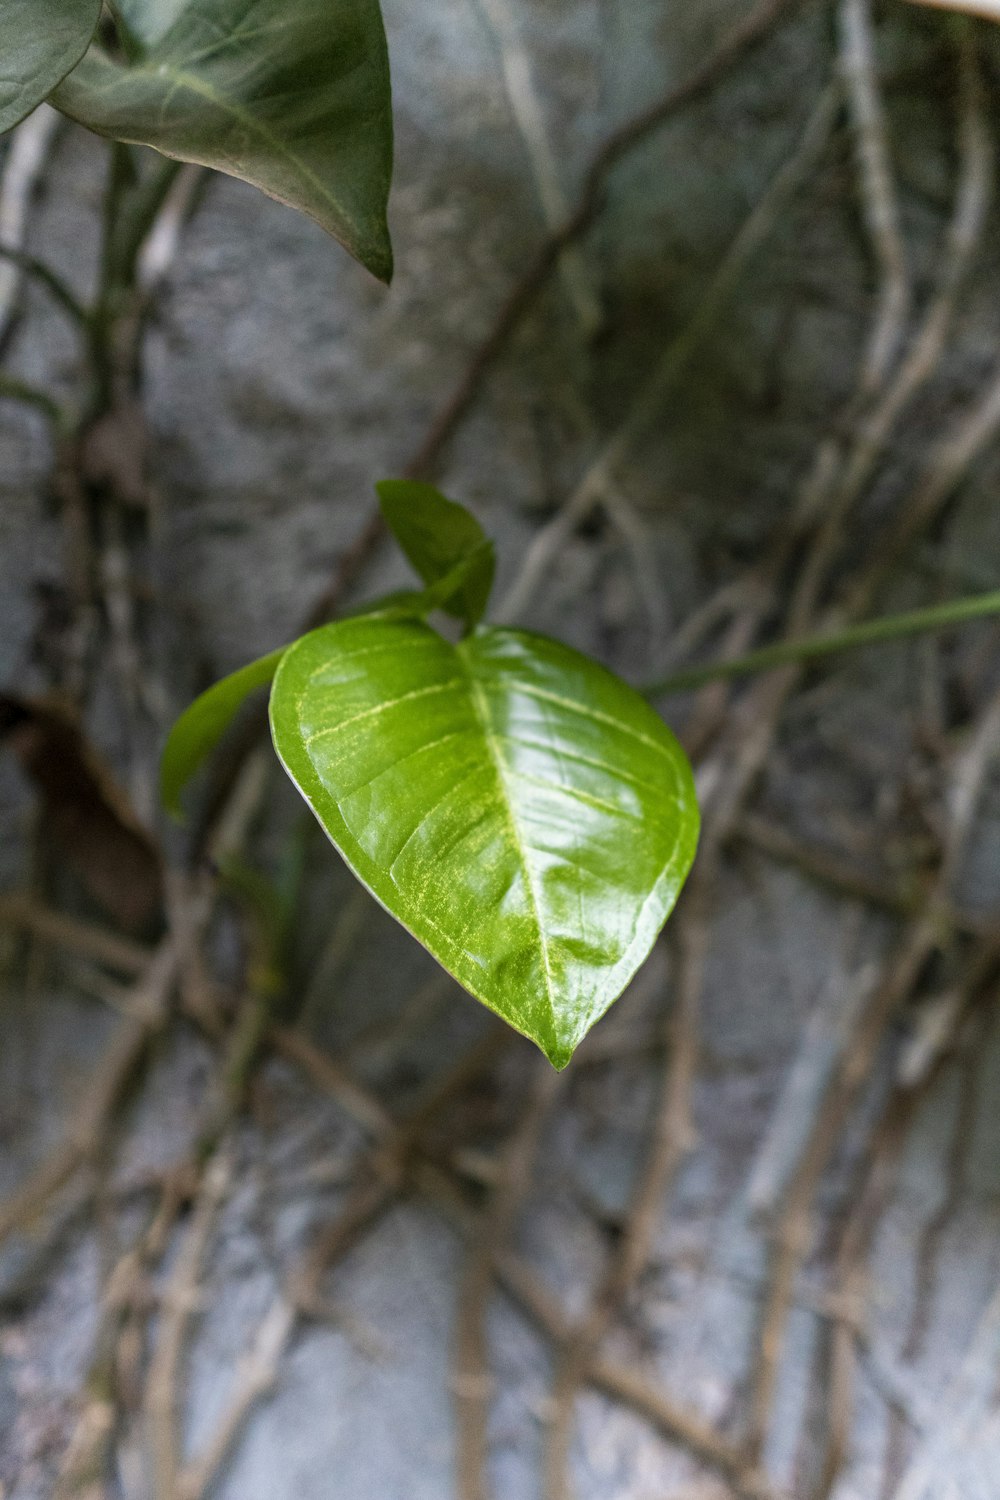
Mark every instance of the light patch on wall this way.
pixel 990 8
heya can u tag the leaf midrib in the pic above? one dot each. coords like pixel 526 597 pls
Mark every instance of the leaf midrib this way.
pixel 182 79
pixel 483 718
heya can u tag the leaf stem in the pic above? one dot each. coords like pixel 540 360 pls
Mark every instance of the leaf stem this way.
pixel 132 200
pixel 12 389
pixel 127 38
pixel 812 647
pixel 54 284
pixel 150 194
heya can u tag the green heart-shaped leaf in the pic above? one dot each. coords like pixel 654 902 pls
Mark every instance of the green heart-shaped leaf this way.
pixel 294 98
pixel 42 40
pixel 520 810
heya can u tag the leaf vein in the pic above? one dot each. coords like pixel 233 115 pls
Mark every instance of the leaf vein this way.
pixel 519 842
pixel 577 794
pixel 545 695
pixel 400 761
pixel 617 773
pixel 181 79
pixel 429 813
pixel 381 708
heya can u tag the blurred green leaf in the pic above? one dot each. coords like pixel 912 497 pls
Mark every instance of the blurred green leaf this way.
pixel 203 723
pixel 294 98
pixel 42 41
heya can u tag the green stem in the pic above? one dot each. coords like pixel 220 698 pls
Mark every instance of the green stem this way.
pixel 132 201
pixel 127 38
pixel 149 197
pixel 812 647
pixel 54 284
pixel 107 306
pixel 12 389
pixel 121 178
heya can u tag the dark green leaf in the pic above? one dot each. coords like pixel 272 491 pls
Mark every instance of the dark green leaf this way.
pixel 203 723
pixel 437 535
pixel 520 810
pixel 291 97
pixel 41 40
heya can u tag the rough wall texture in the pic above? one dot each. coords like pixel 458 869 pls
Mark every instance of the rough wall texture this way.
pixel 280 383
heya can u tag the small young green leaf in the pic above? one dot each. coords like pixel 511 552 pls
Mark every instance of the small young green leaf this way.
pixel 203 723
pixel 519 809
pixel 437 534
pixel 294 98
pixel 417 604
pixel 42 41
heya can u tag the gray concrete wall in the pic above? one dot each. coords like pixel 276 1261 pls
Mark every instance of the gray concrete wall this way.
pixel 280 383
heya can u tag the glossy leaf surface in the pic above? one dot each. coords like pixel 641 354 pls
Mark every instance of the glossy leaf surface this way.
pixel 294 98
pixel 40 41
pixel 520 810
pixel 437 536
